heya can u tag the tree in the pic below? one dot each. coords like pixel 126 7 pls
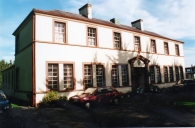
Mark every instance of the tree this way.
pixel 3 66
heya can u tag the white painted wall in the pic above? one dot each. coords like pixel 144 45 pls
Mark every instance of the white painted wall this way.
pixel 43 28
pixel 105 37
pixel 77 33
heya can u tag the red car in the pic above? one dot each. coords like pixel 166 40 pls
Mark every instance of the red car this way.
pixel 96 95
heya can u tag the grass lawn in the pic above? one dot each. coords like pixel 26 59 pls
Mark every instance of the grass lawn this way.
pixel 15 105
pixel 189 104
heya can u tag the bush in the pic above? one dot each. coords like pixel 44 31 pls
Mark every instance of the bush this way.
pixel 63 98
pixel 50 97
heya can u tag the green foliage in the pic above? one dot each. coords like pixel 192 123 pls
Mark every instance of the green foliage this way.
pixel 50 97
pixel 3 66
pixel 63 98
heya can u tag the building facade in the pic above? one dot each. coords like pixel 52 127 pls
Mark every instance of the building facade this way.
pixel 190 72
pixel 66 52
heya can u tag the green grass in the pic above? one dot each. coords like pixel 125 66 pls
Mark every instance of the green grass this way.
pixel 15 106
pixel 190 104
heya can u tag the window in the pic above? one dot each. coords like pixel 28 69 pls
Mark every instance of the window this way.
pixel 124 74
pixel 165 74
pixel 92 37
pixel 177 49
pixel 117 40
pixel 181 72
pixel 158 74
pixel 171 74
pixel 17 43
pixel 152 75
pixel 53 76
pixel 68 76
pixel 59 32
pixel 177 73
pixel 137 44
pixel 17 78
pixel 153 46
pixel 155 75
pixel 115 75
pixel 166 48
pixel 99 75
pixel 88 76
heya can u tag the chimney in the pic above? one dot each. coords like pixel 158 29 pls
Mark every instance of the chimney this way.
pixel 86 11
pixel 115 21
pixel 138 24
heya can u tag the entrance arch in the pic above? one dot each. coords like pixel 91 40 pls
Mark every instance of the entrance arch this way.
pixel 135 72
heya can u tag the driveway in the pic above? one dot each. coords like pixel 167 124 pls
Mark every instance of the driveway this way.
pixel 143 110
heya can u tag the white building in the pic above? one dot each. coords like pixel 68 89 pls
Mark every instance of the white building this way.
pixel 66 52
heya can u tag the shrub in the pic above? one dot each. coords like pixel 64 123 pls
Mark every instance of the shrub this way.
pixel 63 98
pixel 50 97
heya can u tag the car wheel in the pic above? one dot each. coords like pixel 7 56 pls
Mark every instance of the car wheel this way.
pixel 88 105
pixel 116 101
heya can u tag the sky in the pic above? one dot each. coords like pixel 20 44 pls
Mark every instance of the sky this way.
pixel 171 18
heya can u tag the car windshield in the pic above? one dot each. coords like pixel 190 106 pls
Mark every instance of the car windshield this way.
pixel 90 90
pixel 2 96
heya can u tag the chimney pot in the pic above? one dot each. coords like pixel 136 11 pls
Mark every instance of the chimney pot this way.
pixel 138 24
pixel 86 11
pixel 115 21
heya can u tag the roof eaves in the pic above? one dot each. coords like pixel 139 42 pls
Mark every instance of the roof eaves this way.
pixel 31 13
pixel 98 21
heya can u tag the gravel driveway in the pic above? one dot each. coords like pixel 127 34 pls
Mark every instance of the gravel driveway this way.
pixel 145 110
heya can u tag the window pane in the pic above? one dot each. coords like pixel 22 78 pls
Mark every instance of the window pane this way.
pixel 92 36
pixel 52 76
pixel 59 32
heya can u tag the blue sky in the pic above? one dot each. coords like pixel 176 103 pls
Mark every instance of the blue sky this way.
pixel 171 18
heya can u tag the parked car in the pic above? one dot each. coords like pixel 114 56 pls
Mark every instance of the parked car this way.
pixel 183 85
pixel 152 88
pixel 96 95
pixel 4 102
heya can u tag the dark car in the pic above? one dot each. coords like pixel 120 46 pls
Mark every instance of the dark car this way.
pixel 183 85
pixel 151 88
pixel 96 95
pixel 4 102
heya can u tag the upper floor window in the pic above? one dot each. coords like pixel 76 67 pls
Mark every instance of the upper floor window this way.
pixel 117 40
pixel 17 43
pixel 153 46
pixel 92 37
pixel 177 49
pixel 166 48
pixel 59 32
pixel 137 43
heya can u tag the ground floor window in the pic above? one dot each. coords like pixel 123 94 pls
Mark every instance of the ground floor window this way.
pixel 60 76
pixel 155 74
pixel 68 76
pixel 177 73
pixel 181 72
pixel 53 76
pixel 119 75
pixel 166 74
pixel 97 79
pixel 171 74
pixel 17 78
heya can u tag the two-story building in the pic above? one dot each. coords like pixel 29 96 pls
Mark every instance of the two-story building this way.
pixel 66 52
pixel 190 72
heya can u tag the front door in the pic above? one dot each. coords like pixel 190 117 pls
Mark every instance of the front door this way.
pixel 139 77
